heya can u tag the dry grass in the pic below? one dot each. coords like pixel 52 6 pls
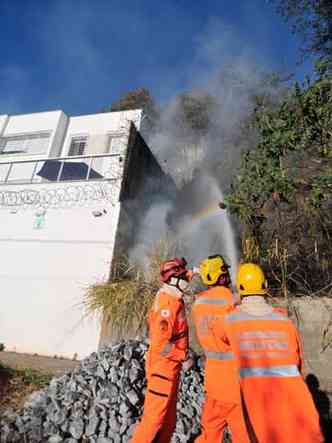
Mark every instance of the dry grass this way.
pixel 17 384
pixel 125 300
pixel 122 302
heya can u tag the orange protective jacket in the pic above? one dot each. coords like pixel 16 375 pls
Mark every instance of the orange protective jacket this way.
pixel 208 311
pixel 168 331
pixel 270 362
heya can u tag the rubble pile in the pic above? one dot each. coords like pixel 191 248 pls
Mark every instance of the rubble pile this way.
pixel 100 402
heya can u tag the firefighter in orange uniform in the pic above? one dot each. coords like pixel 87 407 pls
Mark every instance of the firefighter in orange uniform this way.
pixel 168 331
pixel 222 404
pixel 278 404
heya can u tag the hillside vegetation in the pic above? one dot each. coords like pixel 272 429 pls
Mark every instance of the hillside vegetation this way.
pixel 278 158
pixel 283 191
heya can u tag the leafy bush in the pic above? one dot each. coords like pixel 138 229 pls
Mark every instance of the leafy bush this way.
pixel 283 193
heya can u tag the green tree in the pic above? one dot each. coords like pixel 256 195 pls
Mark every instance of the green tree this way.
pixel 283 192
pixel 137 99
pixel 311 19
pixel 192 113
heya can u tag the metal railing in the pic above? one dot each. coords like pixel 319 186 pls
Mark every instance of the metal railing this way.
pixel 60 169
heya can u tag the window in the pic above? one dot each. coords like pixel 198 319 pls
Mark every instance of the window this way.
pixel 25 144
pixel 116 144
pixel 77 146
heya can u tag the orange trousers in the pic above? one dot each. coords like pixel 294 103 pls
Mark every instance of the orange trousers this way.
pixel 216 415
pixel 281 410
pixel 159 414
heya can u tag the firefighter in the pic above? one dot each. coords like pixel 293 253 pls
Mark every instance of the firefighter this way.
pixel 222 404
pixel 168 332
pixel 278 405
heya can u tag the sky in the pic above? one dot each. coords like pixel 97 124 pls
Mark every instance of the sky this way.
pixel 80 56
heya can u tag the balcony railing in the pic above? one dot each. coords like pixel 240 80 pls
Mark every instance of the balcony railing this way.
pixel 60 169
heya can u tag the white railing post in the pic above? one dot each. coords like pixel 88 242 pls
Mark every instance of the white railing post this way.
pixel 89 168
pixel 8 172
pixel 60 171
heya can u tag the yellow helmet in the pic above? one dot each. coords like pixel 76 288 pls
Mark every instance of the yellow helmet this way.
pixel 212 268
pixel 251 280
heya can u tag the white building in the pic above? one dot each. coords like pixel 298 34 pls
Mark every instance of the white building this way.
pixel 67 189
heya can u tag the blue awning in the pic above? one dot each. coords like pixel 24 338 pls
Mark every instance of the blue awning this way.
pixel 71 171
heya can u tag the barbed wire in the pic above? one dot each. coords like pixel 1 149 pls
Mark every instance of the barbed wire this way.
pixel 60 197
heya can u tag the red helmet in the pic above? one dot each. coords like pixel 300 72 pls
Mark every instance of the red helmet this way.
pixel 176 267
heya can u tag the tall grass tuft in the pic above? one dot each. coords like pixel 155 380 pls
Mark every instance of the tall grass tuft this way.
pixel 123 302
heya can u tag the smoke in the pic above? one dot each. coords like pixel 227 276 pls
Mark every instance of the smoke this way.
pixel 152 230
pixel 209 230
pixel 203 161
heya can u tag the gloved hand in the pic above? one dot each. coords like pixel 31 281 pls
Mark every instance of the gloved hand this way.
pixel 195 270
pixel 187 364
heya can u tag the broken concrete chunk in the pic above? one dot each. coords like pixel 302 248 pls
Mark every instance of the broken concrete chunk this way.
pixel 101 401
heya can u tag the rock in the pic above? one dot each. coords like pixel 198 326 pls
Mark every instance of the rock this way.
pixel 92 425
pixel 76 428
pixel 55 439
pixel 101 401
pixel 114 425
pixel 133 397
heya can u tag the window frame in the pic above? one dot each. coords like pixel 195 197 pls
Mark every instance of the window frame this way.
pixel 112 136
pixel 26 136
pixel 77 137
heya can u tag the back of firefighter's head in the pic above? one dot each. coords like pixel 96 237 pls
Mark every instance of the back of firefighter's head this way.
pixel 175 273
pixel 214 271
pixel 251 280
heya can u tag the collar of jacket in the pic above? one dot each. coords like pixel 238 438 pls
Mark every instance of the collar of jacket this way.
pixel 171 290
pixel 256 305
pixel 210 291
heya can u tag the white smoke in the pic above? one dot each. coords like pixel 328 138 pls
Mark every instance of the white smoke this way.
pixel 153 229
pixel 210 233
pixel 213 156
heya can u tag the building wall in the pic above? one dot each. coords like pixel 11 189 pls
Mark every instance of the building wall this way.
pixel 59 136
pixel 52 249
pixel 31 123
pixel 99 128
pixel 46 270
pixel 143 184
pixel 3 121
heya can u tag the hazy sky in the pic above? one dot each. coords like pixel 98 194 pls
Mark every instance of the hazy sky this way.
pixel 81 55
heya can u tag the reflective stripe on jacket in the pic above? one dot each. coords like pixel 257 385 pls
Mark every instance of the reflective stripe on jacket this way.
pixel 268 352
pixel 264 341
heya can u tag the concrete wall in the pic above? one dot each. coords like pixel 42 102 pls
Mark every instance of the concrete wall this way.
pixel 313 317
pixel 143 184
pixel 45 271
